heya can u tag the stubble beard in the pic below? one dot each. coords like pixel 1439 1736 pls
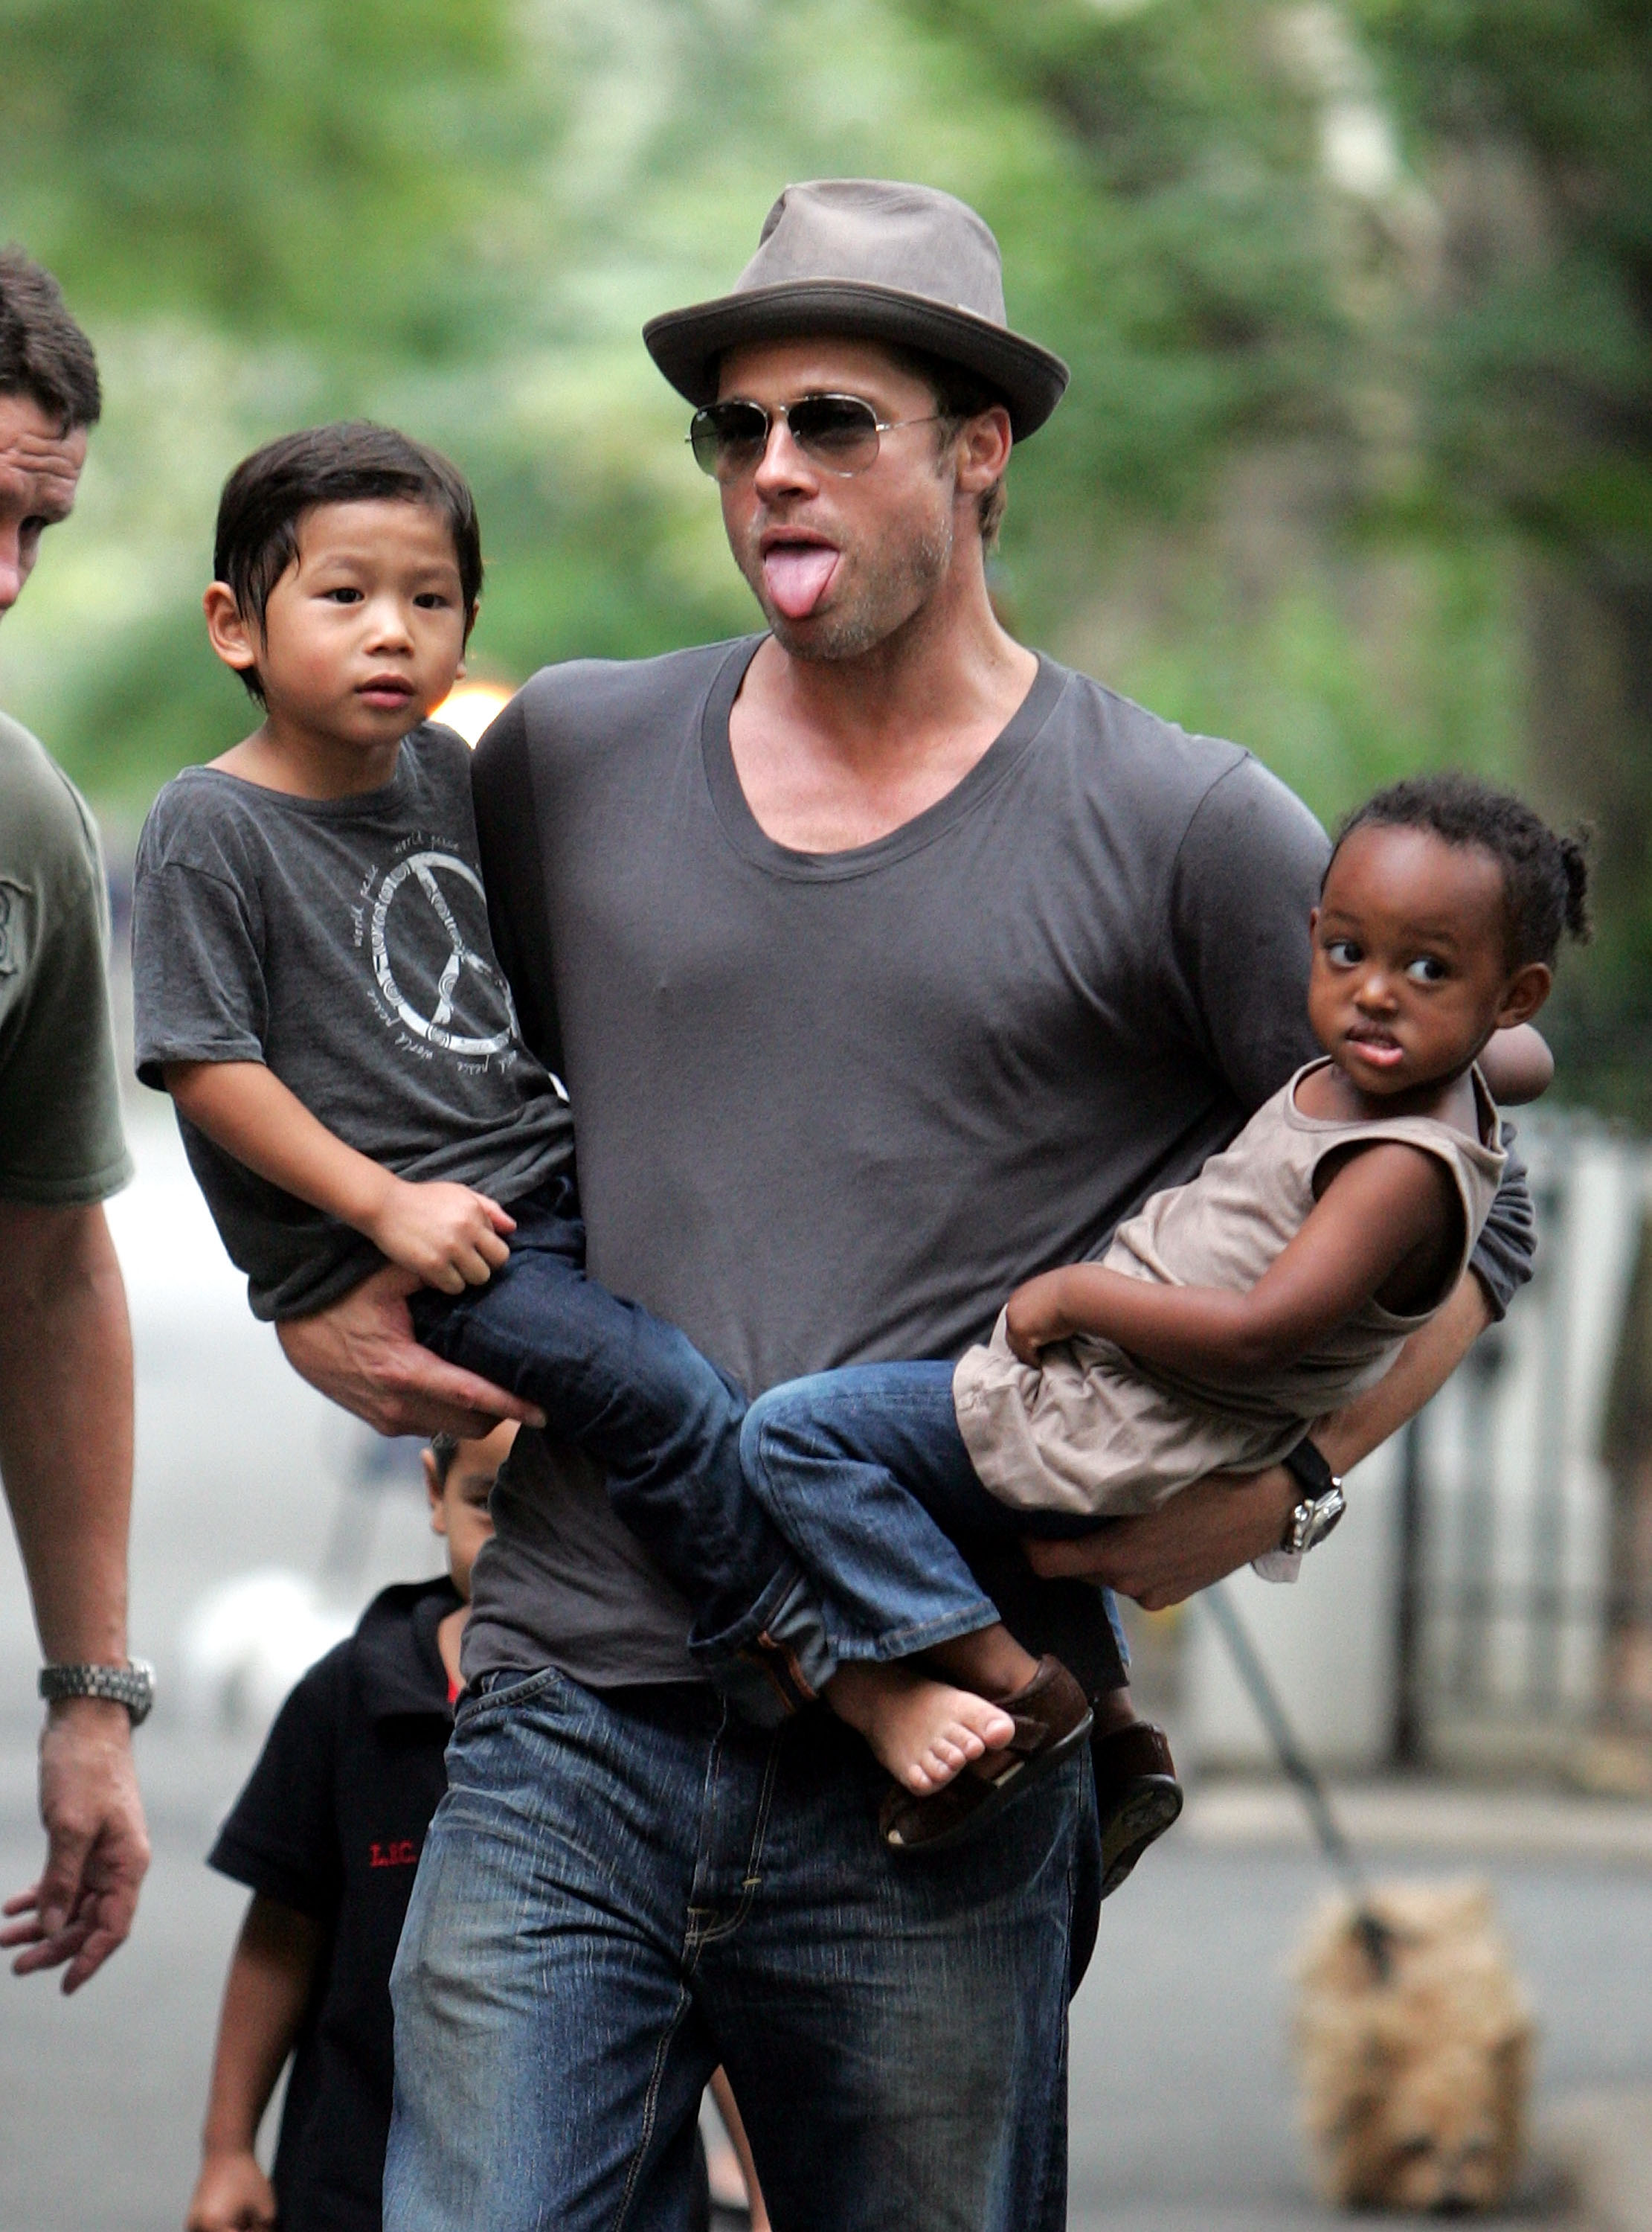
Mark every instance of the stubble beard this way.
pixel 891 590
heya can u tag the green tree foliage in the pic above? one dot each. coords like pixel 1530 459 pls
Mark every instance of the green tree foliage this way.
pixel 1354 462
pixel 253 165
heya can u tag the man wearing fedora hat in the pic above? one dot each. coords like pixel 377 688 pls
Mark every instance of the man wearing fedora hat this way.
pixel 887 963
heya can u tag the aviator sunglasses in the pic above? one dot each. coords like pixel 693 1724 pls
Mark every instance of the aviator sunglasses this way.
pixel 838 434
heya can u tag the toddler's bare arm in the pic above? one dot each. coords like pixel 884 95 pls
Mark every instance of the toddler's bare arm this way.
pixel 449 1235
pixel 1222 1523
pixel 1384 1206
pixel 270 1979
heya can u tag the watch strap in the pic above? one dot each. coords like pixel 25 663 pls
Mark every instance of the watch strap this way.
pixel 1309 1467
pixel 132 1686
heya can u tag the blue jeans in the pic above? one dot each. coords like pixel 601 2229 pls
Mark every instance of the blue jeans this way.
pixel 635 1394
pixel 865 1473
pixel 620 1891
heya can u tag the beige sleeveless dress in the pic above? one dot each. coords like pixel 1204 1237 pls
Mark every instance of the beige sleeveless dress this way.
pixel 1093 1433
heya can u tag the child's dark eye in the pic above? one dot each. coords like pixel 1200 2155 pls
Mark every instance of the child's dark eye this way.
pixel 341 596
pixel 432 600
pixel 1343 951
pixel 1427 968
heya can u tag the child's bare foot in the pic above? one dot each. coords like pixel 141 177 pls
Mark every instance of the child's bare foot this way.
pixel 923 1731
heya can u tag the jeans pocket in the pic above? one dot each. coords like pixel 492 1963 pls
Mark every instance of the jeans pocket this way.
pixel 507 1686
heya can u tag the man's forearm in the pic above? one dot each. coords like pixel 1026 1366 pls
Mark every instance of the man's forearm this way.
pixel 66 1409
pixel 1417 1374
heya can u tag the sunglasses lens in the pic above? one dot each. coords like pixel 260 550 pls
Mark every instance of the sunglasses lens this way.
pixel 728 439
pixel 840 431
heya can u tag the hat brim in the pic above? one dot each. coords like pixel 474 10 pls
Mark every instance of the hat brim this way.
pixel 687 344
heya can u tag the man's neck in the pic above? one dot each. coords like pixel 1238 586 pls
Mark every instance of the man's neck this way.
pixel 833 754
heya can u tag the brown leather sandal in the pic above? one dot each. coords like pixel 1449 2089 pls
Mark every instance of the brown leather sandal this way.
pixel 1138 1796
pixel 1052 1717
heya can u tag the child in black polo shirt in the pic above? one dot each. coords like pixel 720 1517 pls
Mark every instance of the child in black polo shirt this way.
pixel 327 1832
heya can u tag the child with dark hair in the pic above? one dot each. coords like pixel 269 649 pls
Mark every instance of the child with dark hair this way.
pixel 1230 1314
pixel 327 1835
pixel 316 988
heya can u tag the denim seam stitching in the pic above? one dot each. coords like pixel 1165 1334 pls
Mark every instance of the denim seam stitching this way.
pixel 651 2104
pixel 479 1710
pixel 697 1939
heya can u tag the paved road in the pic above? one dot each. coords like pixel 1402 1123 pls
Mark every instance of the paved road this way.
pixel 1181 2096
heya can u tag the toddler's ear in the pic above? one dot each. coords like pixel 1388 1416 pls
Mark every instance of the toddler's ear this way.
pixel 1524 993
pixel 230 635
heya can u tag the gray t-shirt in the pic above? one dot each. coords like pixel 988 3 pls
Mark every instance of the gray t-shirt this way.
pixel 833 1109
pixel 345 943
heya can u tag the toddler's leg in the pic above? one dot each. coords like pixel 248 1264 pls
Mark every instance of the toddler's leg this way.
pixel 845 1464
pixel 849 1464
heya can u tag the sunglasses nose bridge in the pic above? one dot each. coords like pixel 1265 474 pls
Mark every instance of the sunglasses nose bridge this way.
pixel 784 460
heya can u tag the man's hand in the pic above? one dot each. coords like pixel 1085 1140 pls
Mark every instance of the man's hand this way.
pixel 1209 1530
pixel 97 1850
pixel 361 1352
pixel 448 1236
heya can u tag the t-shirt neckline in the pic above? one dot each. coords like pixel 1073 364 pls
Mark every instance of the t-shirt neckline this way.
pixel 744 831
pixel 358 804
pixel 1485 1108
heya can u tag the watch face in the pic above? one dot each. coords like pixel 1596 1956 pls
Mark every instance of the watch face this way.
pixel 1324 1514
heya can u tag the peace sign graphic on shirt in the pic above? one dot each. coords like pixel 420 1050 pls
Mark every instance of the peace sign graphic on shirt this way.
pixel 488 1032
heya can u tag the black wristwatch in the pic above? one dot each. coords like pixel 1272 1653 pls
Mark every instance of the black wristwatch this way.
pixel 132 1686
pixel 1323 1502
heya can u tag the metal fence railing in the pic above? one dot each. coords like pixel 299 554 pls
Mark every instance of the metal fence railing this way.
pixel 1524 1582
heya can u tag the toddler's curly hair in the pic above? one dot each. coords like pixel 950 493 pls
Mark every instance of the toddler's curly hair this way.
pixel 1546 875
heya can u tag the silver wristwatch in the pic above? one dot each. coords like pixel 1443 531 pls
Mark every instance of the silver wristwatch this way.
pixel 132 1686
pixel 1323 1505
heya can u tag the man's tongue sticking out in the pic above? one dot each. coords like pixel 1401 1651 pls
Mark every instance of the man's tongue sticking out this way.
pixel 796 574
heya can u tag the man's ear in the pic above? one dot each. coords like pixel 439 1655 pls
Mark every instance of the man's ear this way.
pixel 984 444
pixel 1524 993
pixel 233 638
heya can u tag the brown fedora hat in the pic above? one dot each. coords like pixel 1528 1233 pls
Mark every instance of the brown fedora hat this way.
pixel 876 261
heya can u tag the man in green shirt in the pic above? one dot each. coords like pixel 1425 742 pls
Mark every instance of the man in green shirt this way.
pixel 66 1401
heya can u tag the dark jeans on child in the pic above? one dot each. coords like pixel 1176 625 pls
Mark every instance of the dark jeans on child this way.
pixel 635 1394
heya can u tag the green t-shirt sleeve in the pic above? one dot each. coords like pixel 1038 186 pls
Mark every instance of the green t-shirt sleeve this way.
pixel 61 1137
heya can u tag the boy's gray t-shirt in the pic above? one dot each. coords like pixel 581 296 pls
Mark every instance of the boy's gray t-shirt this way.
pixel 833 1109
pixel 344 942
